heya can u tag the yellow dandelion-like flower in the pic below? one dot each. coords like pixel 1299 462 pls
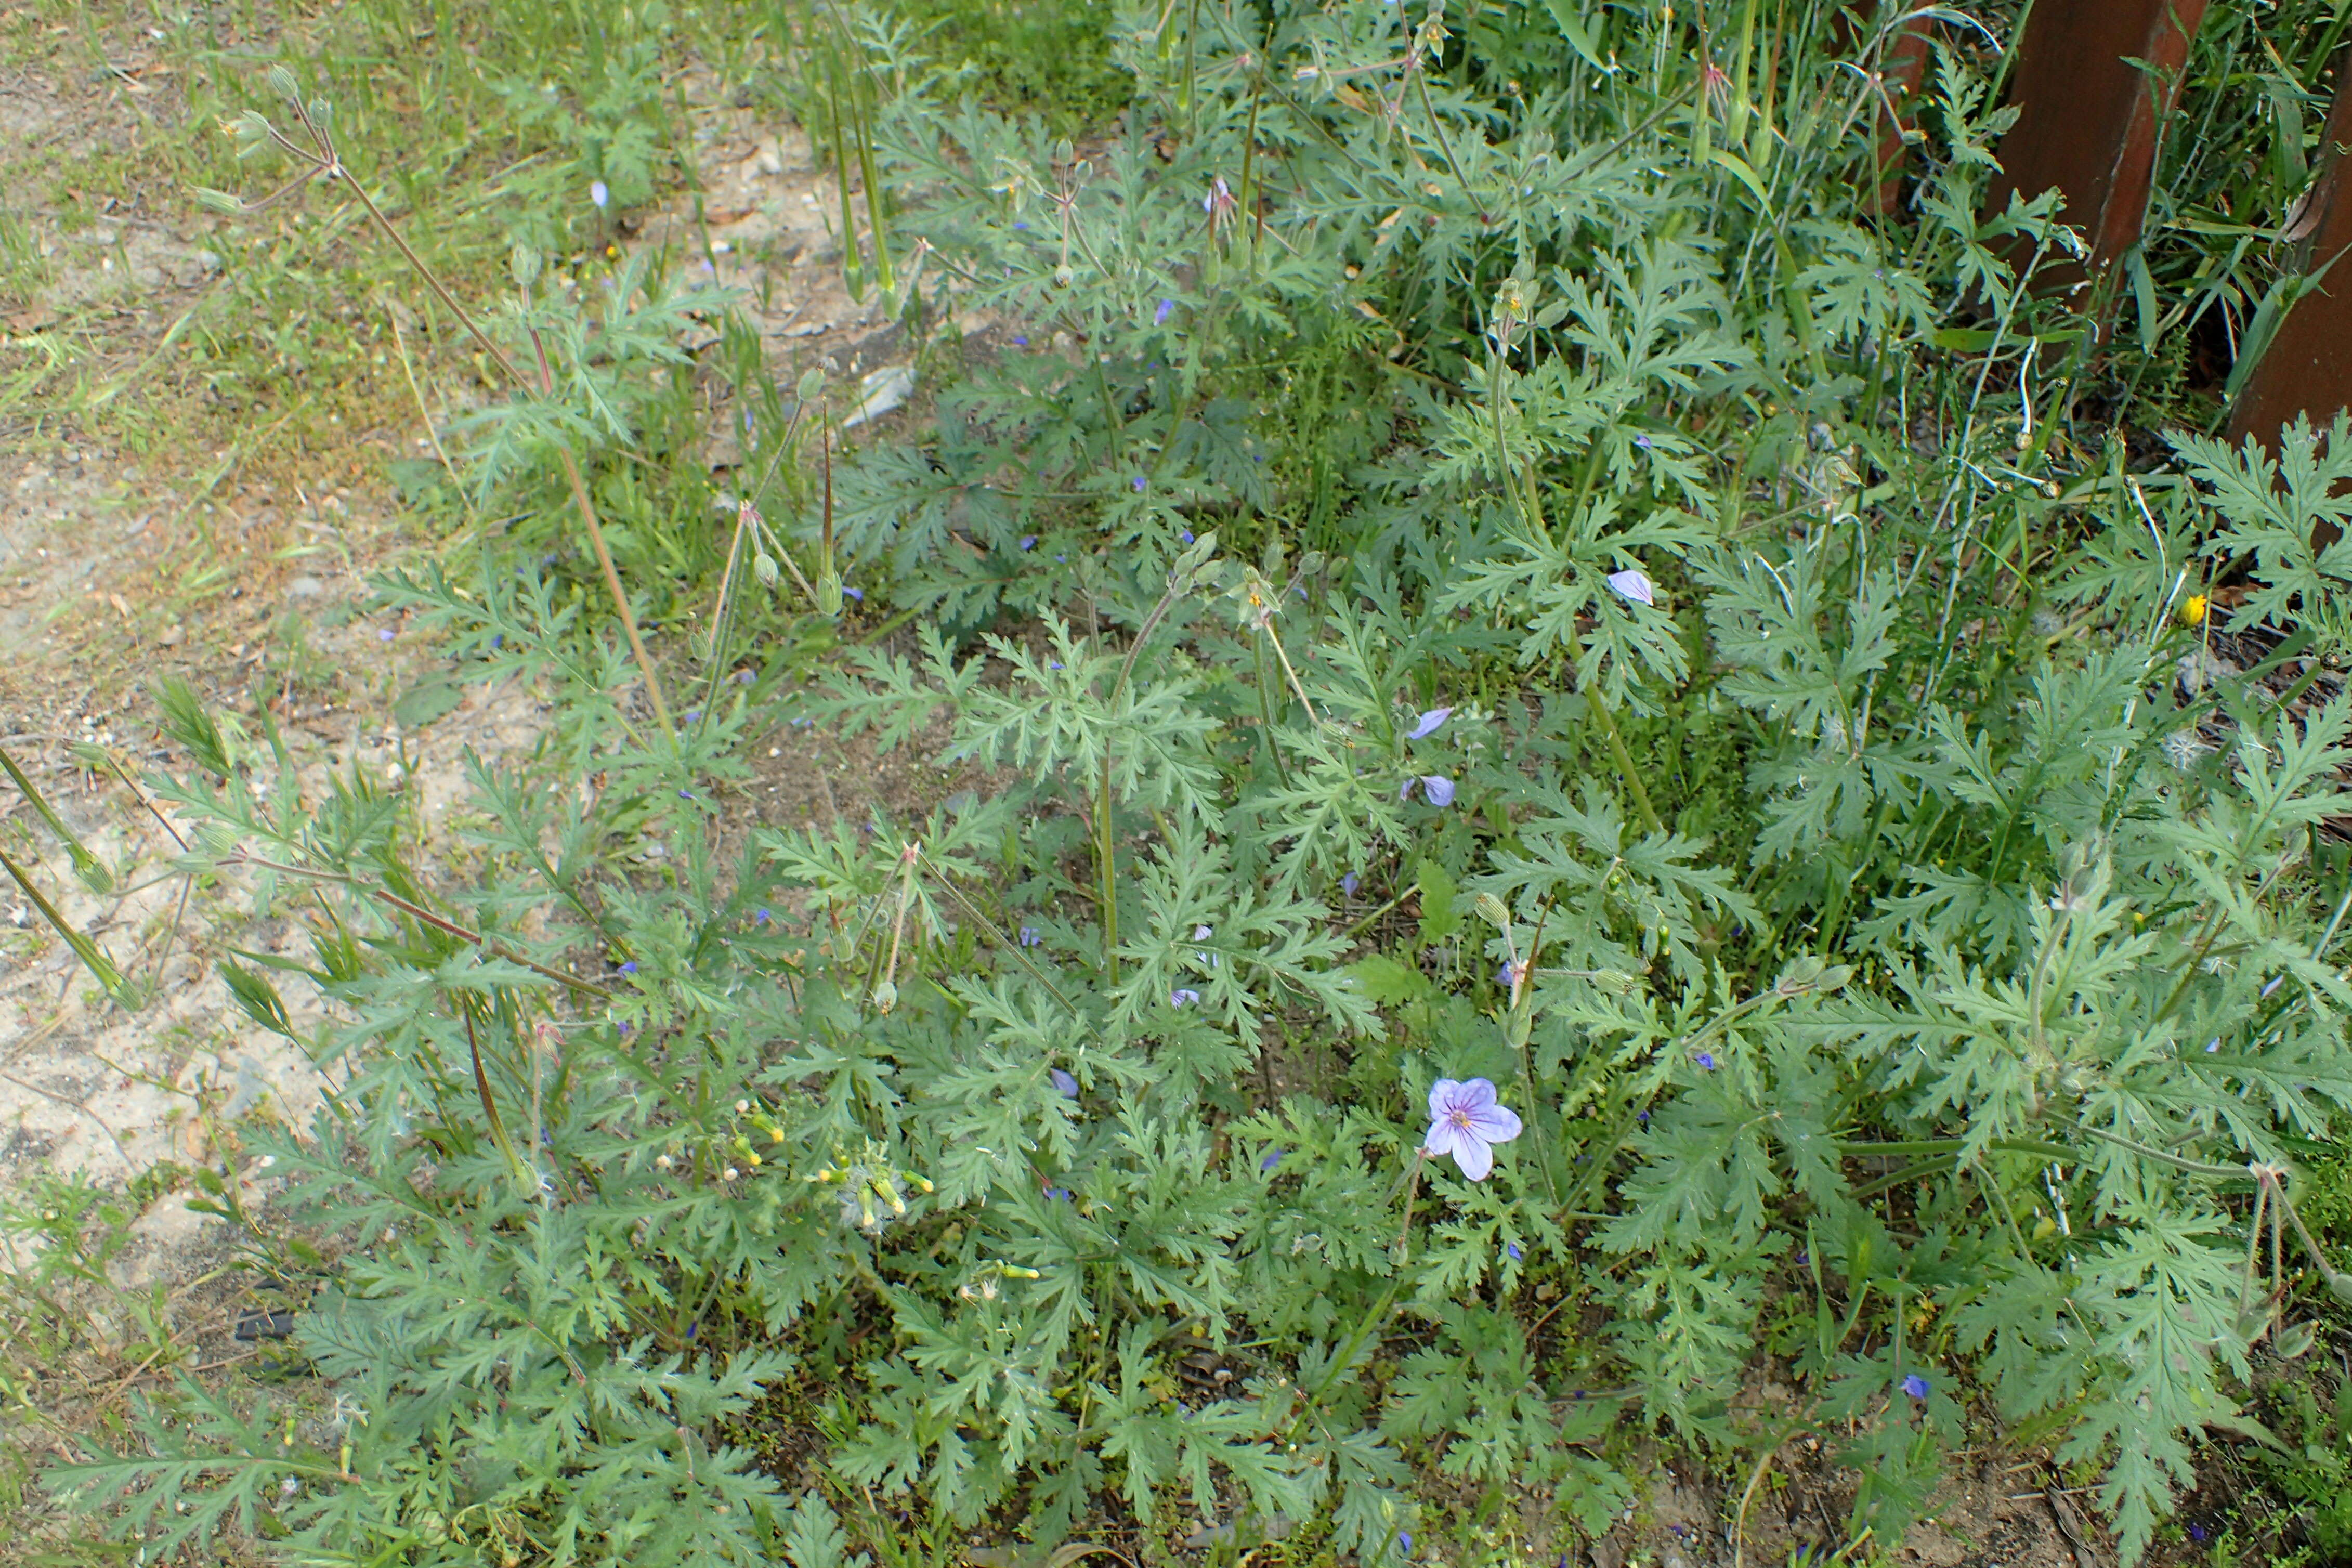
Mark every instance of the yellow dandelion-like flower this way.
pixel 2192 610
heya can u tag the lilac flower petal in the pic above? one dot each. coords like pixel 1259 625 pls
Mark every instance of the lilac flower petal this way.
pixel 1707 1062
pixel 1185 534
pixel 1182 996
pixel 1513 1248
pixel 1496 1123
pixel 1464 1121
pixel 1028 541
pixel 1632 587
pixel 1404 790
pixel 1348 884
pixel 630 967
pixel 1428 723
pixel 1439 788
pixel 1271 1161
pixel 849 593
pixel 1916 1386
pixel 762 917
pixel 1064 1083
pixel 1138 481
pixel 598 193
pixel 1159 317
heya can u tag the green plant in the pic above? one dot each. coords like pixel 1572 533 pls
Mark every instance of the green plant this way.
pixel 1488 579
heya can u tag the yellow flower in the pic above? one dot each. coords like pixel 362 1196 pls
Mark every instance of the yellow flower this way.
pixel 2192 610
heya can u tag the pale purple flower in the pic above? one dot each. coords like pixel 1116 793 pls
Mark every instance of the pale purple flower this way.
pixel 1059 1194
pixel 1642 442
pixel 762 917
pixel 384 635
pixel 1185 534
pixel 1028 541
pixel 1200 933
pixel 599 194
pixel 1427 723
pixel 1138 481
pixel 1271 1161
pixel 1705 1061
pixel 1064 1083
pixel 1404 790
pixel 630 967
pixel 1438 788
pixel 1220 199
pixel 1167 309
pixel 849 593
pixel 1632 587
pixel 1513 1248
pixel 1915 1386
pixel 1466 1122
pixel 1348 884
pixel 1029 937
pixel 1182 996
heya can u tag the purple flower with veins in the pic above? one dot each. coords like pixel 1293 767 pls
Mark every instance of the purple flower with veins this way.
pixel 1064 1083
pixel 1915 1386
pixel 1466 1122
pixel 1029 937
pixel 1632 587
pixel 1438 788
pixel 1428 723
pixel 1182 996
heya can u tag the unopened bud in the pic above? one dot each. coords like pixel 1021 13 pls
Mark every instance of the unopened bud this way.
pixel 763 567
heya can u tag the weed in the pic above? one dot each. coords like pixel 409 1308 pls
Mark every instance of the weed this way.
pixel 1507 616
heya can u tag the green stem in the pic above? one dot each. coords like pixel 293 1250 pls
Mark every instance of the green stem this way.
pixel 1599 707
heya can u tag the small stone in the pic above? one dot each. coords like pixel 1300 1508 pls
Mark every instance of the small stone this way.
pixel 172 635
pixel 305 588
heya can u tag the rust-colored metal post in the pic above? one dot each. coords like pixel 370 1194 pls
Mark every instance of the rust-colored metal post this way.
pixel 2088 117
pixel 2307 368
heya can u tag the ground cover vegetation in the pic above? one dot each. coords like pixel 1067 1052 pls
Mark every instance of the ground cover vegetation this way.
pixel 1608 768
